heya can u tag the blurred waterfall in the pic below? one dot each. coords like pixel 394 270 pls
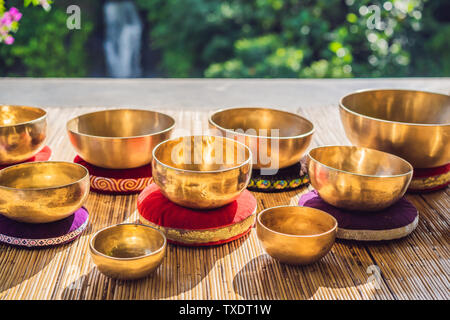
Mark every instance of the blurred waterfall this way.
pixel 122 43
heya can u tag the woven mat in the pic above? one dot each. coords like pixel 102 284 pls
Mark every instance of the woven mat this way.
pixel 416 267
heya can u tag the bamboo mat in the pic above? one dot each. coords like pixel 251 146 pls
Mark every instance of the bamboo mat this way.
pixel 416 267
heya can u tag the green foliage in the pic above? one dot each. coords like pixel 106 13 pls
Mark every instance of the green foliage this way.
pixel 44 46
pixel 291 38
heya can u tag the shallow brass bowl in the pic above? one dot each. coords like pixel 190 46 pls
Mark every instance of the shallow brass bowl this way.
pixel 23 131
pixel 120 138
pixel 296 235
pixel 127 251
pixel 201 172
pixel 252 126
pixel 42 192
pixel 358 178
pixel 414 125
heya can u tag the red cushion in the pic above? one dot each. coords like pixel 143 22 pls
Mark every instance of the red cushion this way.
pixel 42 155
pixel 430 179
pixel 144 171
pixel 117 181
pixel 230 221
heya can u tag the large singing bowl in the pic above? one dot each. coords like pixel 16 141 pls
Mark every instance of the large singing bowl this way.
pixel 356 178
pixel 414 125
pixel 42 192
pixel 120 138
pixel 22 133
pixel 201 172
pixel 277 139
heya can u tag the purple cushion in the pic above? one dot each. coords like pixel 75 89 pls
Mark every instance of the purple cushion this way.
pixel 399 215
pixel 44 234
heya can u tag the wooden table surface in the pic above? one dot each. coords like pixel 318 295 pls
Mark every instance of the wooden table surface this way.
pixel 416 267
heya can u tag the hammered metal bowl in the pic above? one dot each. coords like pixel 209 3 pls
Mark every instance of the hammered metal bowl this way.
pixel 356 178
pixel 119 138
pixel 414 125
pixel 296 235
pixel 42 192
pixel 276 149
pixel 127 251
pixel 201 172
pixel 23 131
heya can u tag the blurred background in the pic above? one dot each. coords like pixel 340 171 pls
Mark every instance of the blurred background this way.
pixel 225 38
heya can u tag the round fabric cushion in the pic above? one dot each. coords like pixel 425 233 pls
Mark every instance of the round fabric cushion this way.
pixel 285 179
pixel 42 155
pixel 44 234
pixel 197 227
pixel 430 179
pixel 394 222
pixel 117 181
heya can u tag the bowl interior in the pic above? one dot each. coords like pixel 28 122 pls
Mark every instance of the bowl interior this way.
pixel 297 221
pixel 360 161
pixel 260 121
pixel 202 153
pixel 121 123
pixel 400 106
pixel 36 175
pixel 128 241
pixel 14 115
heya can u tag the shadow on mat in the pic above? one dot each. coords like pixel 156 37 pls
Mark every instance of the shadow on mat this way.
pixel 257 279
pixel 183 269
pixel 19 264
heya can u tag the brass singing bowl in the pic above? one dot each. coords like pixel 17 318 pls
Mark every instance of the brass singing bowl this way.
pixel 414 125
pixel 127 251
pixel 42 192
pixel 253 126
pixel 23 131
pixel 201 172
pixel 356 178
pixel 296 235
pixel 119 138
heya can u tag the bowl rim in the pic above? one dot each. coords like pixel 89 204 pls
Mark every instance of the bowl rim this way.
pixel 410 172
pixel 86 175
pixel 120 138
pixel 257 136
pixel 94 236
pixel 43 117
pixel 342 106
pixel 249 159
pixel 258 218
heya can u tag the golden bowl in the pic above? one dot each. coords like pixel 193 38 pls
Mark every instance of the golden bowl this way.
pixel 414 125
pixel 22 133
pixel 120 138
pixel 201 172
pixel 358 178
pixel 296 235
pixel 281 148
pixel 42 192
pixel 127 251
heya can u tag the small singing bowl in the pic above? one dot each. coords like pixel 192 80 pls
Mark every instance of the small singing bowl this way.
pixel 119 138
pixel 23 131
pixel 277 139
pixel 414 125
pixel 127 251
pixel 201 172
pixel 296 235
pixel 356 178
pixel 42 192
